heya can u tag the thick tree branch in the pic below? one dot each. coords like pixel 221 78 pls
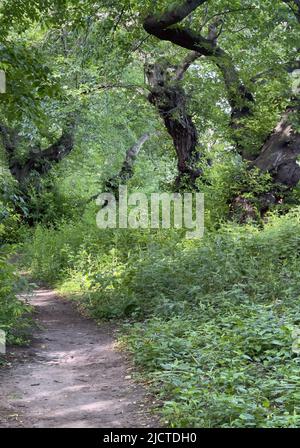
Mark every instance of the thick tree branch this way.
pixel 280 152
pixel 185 64
pixel 126 171
pixel 171 17
pixel 295 7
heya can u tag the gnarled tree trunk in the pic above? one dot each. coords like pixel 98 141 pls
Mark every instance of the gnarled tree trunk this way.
pixel 169 98
pixel 279 154
pixel 38 162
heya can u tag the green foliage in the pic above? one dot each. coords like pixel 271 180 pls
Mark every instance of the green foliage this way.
pixel 218 346
pixel 214 320
pixel 14 314
pixel 11 228
pixel 233 369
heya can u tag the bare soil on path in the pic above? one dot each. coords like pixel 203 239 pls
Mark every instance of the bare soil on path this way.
pixel 71 376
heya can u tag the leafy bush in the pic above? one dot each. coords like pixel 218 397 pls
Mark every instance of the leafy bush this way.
pixel 11 229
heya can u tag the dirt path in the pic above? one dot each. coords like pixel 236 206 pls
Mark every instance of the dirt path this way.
pixel 71 376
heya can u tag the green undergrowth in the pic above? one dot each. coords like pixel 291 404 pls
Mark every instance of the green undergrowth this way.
pixel 213 324
pixel 15 319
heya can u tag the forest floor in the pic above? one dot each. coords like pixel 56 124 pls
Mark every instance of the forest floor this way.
pixel 71 376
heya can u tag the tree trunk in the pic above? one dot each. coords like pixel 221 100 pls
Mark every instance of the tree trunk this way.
pixel 37 161
pixel 278 157
pixel 169 98
pixel 279 154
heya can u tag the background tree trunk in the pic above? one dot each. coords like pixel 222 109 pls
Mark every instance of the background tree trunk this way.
pixel 126 171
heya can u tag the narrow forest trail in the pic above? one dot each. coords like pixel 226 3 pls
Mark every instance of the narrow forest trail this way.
pixel 71 376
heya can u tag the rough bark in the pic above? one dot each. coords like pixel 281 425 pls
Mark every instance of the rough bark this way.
pixel 279 154
pixel 170 100
pixel 172 16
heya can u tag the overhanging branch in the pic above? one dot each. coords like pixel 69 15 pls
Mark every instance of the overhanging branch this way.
pixel 295 7
pixel 172 16
pixel 164 28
